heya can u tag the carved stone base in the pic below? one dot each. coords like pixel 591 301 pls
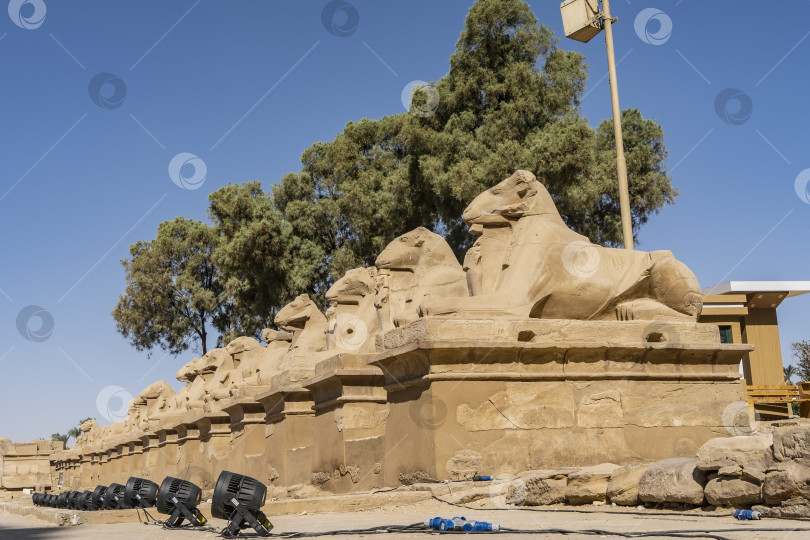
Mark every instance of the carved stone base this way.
pixel 506 396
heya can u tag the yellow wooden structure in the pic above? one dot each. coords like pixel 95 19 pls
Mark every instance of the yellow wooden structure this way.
pixel 745 311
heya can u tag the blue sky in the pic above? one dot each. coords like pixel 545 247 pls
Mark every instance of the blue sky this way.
pixel 247 85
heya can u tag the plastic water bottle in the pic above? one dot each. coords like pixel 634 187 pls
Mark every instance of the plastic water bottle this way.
pixel 747 514
pixel 481 478
pixel 460 524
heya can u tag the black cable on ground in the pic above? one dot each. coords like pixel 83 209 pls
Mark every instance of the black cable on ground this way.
pixel 420 528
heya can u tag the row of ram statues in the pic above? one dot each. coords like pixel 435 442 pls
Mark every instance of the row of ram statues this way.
pixel 525 263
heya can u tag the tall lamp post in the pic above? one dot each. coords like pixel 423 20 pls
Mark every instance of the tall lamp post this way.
pixel 582 20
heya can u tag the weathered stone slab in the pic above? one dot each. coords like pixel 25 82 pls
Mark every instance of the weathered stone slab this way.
pixel 674 480
pixel 744 451
pixel 589 484
pixel 622 488
pixel 732 491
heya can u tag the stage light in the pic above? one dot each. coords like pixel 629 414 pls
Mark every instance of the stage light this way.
pixel 99 497
pixel 239 499
pixel 179 499
pixel 114 498
pixel 74 500
pixel 86 501
pixel 140 493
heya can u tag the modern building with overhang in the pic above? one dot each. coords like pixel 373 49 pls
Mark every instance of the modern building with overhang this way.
pixel 745 311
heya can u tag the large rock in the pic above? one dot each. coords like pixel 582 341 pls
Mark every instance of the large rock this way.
pixel 538 488
pixel 622 488
pixel 744 452
pixel 791 442
pixel 589 484
pixel 795 508
pixel 732 491
pixel 786 481
pixel 674 480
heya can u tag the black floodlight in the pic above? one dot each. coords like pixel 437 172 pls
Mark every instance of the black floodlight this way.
pixel 74 500
pixel 179 499
pixel 99 497
pixel 140 493
pixel 86 499
pixel 62 499
pixel 36 498
pixel 114 498
pixel 239 499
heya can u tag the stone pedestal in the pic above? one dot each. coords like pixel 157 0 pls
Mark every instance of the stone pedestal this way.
pixel 288 434
pixel 350 410
pixel 136 459
pixel 104 467
pixel 248 429
pixel 149 444
pixel 86 470
pixel 189 460
pixel 95 470
pixel 505 396
pixel 166 453
pixel 215 447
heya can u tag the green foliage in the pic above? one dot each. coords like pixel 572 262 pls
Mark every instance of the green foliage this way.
pixel 509 101
pixel 801 350
pixel 72 432
pixel 789 372
pixel 263 264
pixel 173 288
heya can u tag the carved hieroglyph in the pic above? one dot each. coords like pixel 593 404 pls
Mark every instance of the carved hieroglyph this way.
pixel 528 263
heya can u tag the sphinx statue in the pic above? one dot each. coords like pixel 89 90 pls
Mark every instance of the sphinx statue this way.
pixel 89 431
pixel 218 374
pixel 309 327
pixel 147 405
pixel 420 265
pixel 352 318
pixel 257 365
pixel 528 263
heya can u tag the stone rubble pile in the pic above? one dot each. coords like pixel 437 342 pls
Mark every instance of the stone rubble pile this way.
pixel 767 472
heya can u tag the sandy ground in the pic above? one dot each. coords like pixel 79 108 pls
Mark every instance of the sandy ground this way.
pixel 26 528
